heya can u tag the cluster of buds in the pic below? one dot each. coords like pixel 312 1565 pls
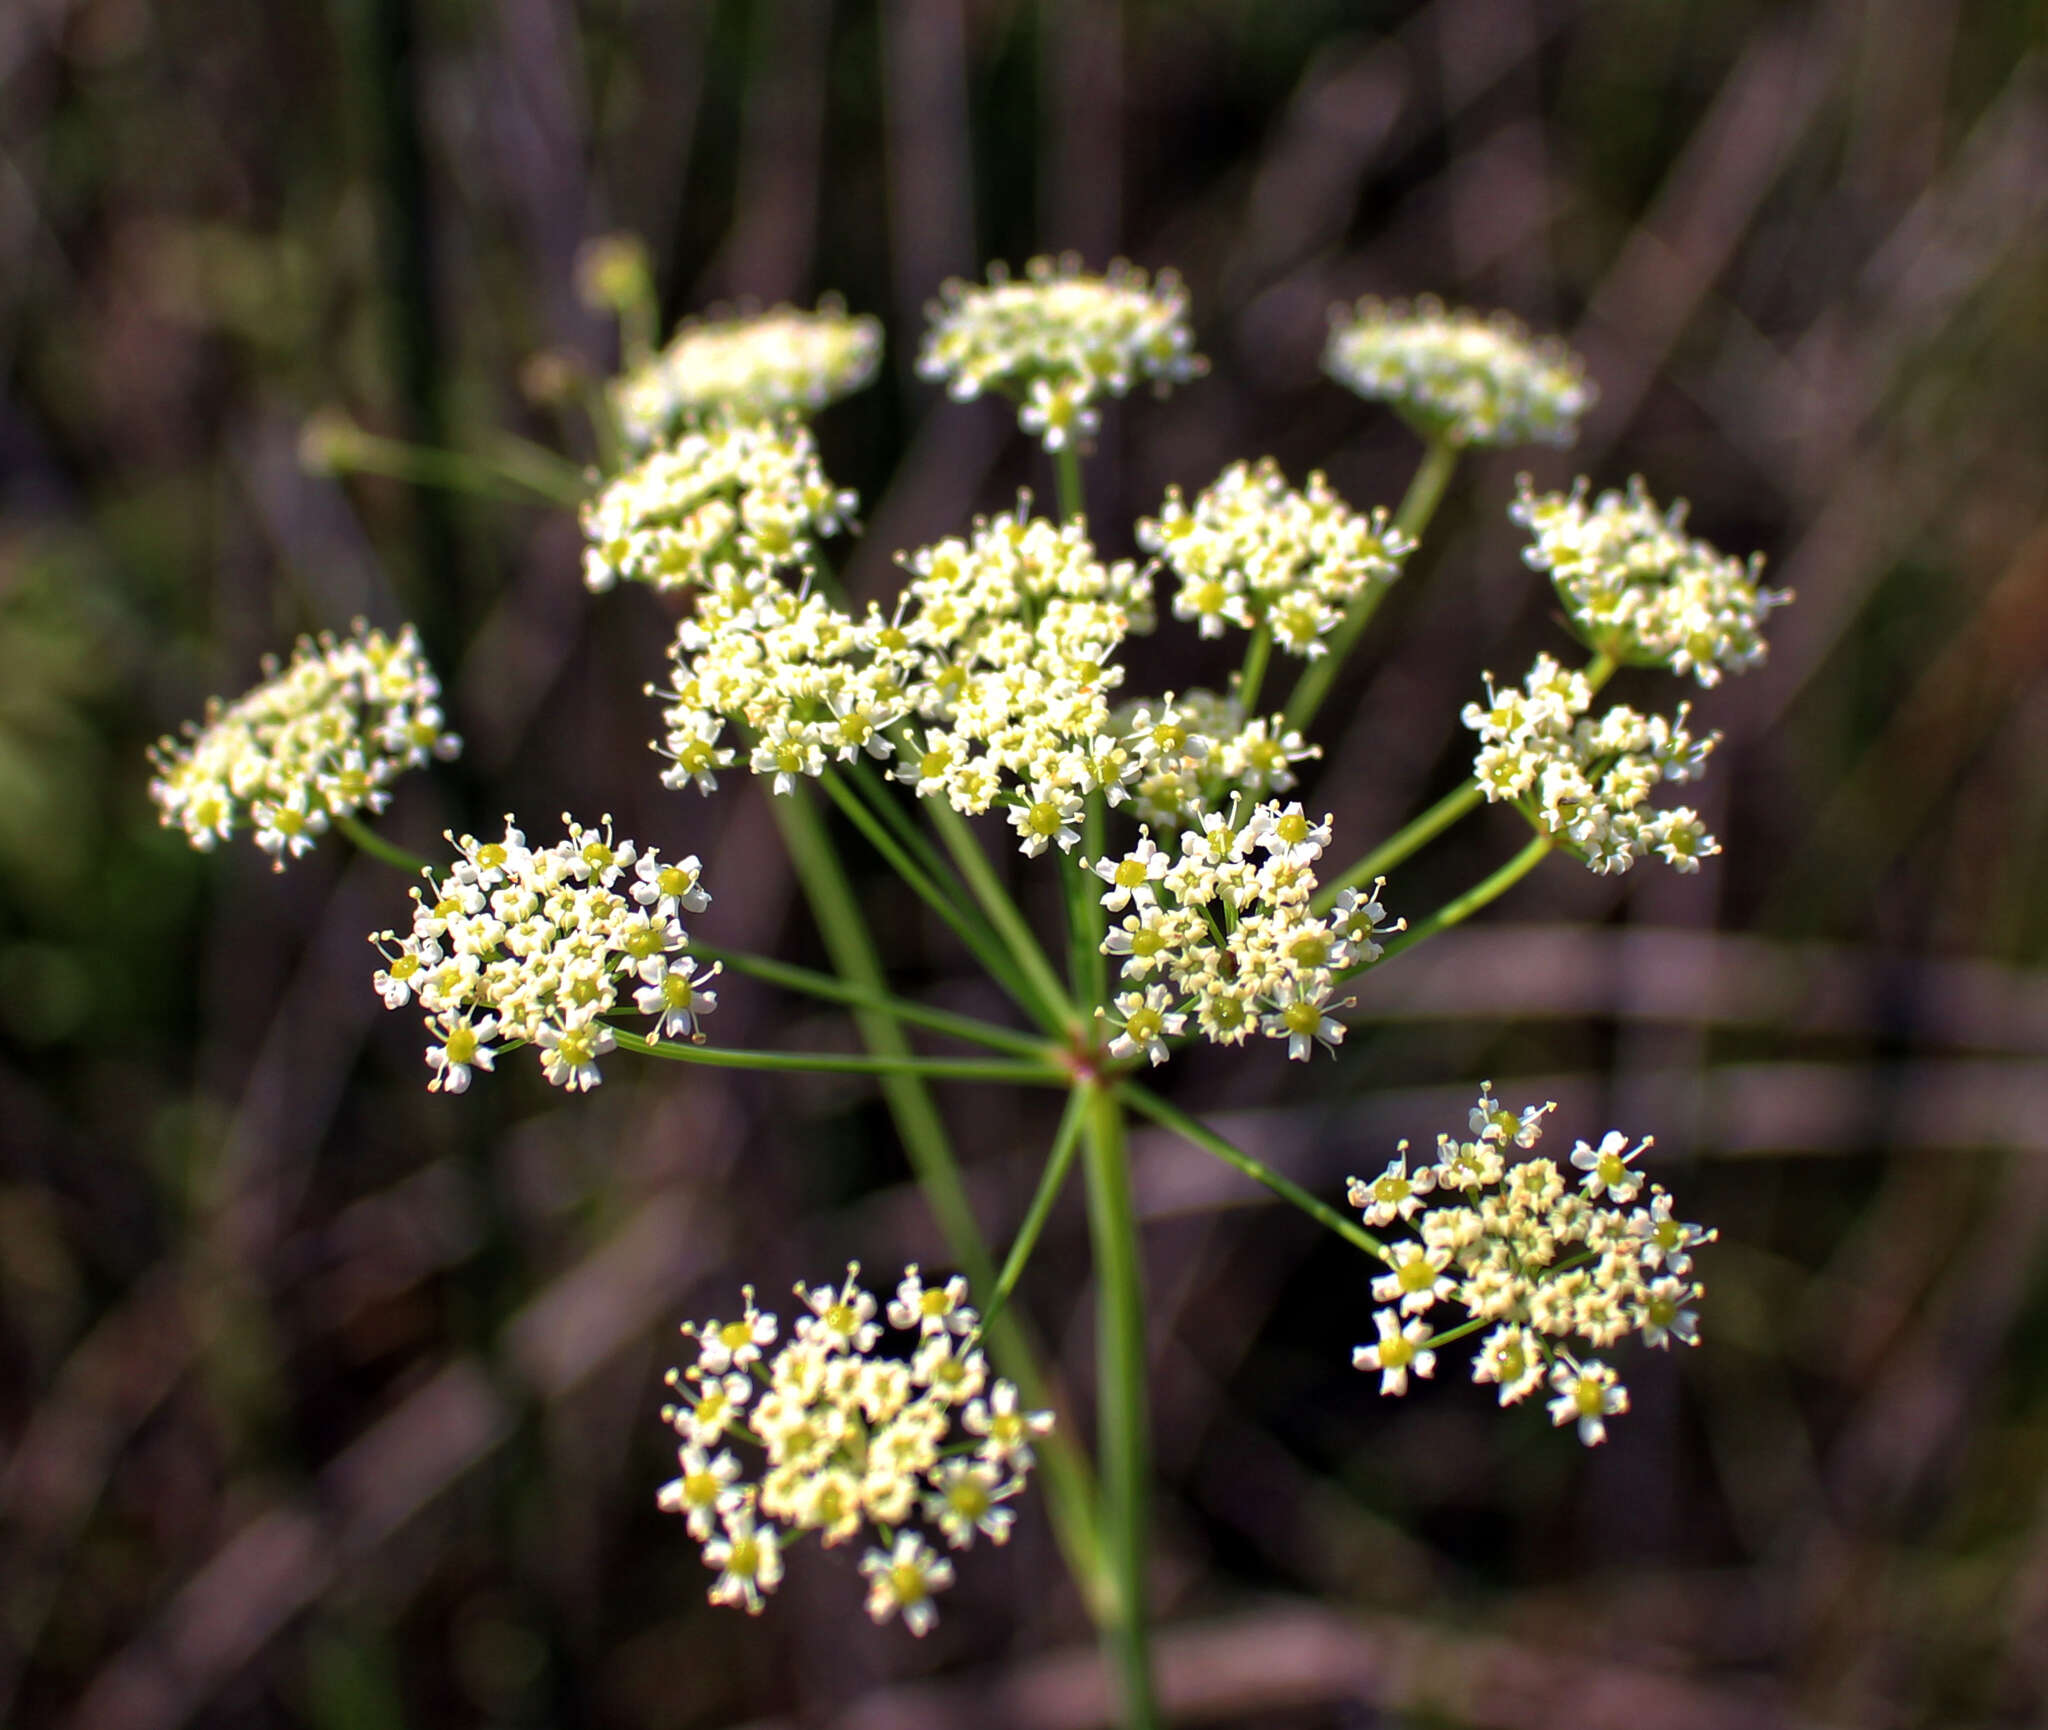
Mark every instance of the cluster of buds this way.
pixel 732 501
pixel 1642 591
pixel 1560 1269
pixel 1463 377
pixel 1059 340
pixel 537 946
pixel 321 738
pixel 1225 932
pixel 1253 552
pixel 850 1440
pixel 756 366
pixel 1586 782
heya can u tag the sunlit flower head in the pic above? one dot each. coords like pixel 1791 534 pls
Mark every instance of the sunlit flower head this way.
pixel 749 366
pixel 323 737
pixel 840 1436
pixel 1640 589
pixel 1586 781
pixel 1222 934
pixel 542 946
pixel 1556 1269
pixel 1252 551
pixel 1059 340
pixel 1470 378
pixel 734 498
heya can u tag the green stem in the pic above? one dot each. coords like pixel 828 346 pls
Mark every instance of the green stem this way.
pixel 832 990
pixel 1093 983
pixel 1456 912
pixel 1070 1491
pixel 1416 834
pixel 1190 1129
pixel 989 952
pixel 840 1063
pixel 1257 653
pixel 1058 1162
pixel 370 842
pixel 1120 1377
pixel 1410 838
pixel 886 803
pixel 1066 468
pixel 520 470
pixel 1418 505
pixel 1002 913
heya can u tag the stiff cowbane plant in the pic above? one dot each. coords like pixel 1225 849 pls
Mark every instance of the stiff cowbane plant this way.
pixel 984 709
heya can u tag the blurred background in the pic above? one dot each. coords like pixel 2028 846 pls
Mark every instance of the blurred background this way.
pixel 327 1403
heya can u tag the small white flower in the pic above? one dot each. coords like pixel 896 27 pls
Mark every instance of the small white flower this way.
pixel 1398 1351
pixel 1587 1394
pixel 901 1581
pixel 1609 1167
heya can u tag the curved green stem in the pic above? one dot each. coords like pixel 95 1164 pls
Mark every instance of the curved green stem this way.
pixel 1411 837
pixel 1418 505
pixel 840 1063
pixel 1125 1443
pixel 1418 832
pixel 518 469
pixel 1457 911
pixel 1191 1129
pixel 833 990
pixel 370 842
pixel 1058 1162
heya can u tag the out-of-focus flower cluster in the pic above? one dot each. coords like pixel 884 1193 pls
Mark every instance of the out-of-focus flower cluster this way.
pixel 756 366
pixel 1253 551
pixel 732 500
pixel 1223 930
pixel 524 945
pixel 1562 1263
pixel 850 1439
pixel 324 737
pixel 1469 378
pixel 1643 591
pixel 1586 782
pixel 1059 340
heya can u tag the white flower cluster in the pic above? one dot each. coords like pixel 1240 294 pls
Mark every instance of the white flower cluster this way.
pixel 1253 551
pixel 1195 750
pixel 524 945
pixel 1554 1267
pixel 324 737
pixel 1224 931
pixel 1586 782
pixel 1470 378
pixel 1643 591
pixel 850 1438
pixel 755 366
pixel 1058 340
pixel 738 498
pixel 1001 650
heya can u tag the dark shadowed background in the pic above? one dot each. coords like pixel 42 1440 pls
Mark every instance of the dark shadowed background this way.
pixel 327 1403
